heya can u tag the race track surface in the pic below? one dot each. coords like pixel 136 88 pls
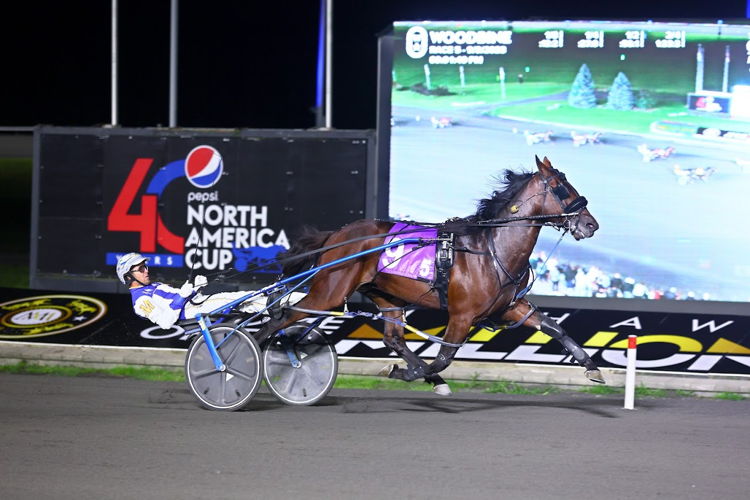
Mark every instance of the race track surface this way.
pixel 91 437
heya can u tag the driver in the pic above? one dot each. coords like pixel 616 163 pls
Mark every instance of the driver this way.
pixel 165 305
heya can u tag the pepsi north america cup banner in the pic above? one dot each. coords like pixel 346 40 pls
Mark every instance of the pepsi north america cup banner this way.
pixel 219 232
pixel 211 203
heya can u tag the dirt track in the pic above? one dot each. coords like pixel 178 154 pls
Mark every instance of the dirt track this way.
pixel 118 438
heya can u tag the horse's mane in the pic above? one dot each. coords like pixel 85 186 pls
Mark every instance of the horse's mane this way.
pixel 510 184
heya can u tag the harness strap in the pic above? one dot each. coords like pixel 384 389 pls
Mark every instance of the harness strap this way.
pixel 513 281
pixel 521 321
pixel 443 264
pixel 542 269
pixel 490 324
pixel 352 314
pixel 469 250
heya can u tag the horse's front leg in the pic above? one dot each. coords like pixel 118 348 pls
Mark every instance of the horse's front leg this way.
pixel 540 321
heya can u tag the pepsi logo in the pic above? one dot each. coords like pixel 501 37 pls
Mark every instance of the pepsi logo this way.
pixel 203 167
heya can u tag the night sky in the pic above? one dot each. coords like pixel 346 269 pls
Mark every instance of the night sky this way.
pixel 242 64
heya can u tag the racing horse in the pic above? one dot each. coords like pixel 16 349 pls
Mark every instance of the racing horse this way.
pixel 489 274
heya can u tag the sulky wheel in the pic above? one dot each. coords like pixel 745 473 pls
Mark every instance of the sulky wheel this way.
pixel 300 365
pixel 234 387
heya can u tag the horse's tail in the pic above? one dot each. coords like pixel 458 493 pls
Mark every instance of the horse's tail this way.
pixel 309 239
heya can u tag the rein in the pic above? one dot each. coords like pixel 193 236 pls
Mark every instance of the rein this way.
pixel 489 223
pixel 321 250
pixel 573 209
pixel 504 222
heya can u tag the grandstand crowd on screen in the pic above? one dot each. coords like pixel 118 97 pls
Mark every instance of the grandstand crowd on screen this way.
pixel 563 278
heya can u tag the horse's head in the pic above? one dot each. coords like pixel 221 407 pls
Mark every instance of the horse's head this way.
pixel 560 197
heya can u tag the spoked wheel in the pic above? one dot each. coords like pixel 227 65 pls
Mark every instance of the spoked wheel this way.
pixel 300 365
pixel 234 387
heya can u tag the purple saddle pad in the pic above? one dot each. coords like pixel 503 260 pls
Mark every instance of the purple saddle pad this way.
pixel 409 259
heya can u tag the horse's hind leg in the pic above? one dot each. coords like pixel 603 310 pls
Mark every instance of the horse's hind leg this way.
pixel 393 338
pixel 545 324
pixel 415 366
pixel 455 334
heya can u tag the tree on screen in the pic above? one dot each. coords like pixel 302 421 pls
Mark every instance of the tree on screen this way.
pixel 582 92
pixel 621 93
pixel 645 99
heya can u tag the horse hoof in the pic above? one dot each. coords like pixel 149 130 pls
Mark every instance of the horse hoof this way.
pixel 387 370
pixel 442 390
pixel 595 376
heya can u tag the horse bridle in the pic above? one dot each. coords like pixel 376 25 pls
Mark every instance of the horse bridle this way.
pixel 574 207
pixel 562 193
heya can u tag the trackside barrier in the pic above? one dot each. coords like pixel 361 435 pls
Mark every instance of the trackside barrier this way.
pixel 630 373
pixel 90 356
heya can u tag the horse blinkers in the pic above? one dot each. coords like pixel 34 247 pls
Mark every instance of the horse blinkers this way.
pixel 572 212
pixel 562 193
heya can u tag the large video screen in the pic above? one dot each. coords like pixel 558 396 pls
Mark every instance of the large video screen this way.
pixel 649 120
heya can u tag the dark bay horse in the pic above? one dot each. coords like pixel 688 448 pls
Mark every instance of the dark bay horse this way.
pixel 489 271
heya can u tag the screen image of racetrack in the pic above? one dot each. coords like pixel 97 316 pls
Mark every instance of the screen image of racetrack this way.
pixel 649 120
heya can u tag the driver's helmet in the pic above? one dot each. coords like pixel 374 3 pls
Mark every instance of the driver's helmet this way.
pixel 126 262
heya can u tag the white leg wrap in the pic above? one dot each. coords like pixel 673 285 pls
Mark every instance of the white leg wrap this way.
pixel 387 370
pixel 442 390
